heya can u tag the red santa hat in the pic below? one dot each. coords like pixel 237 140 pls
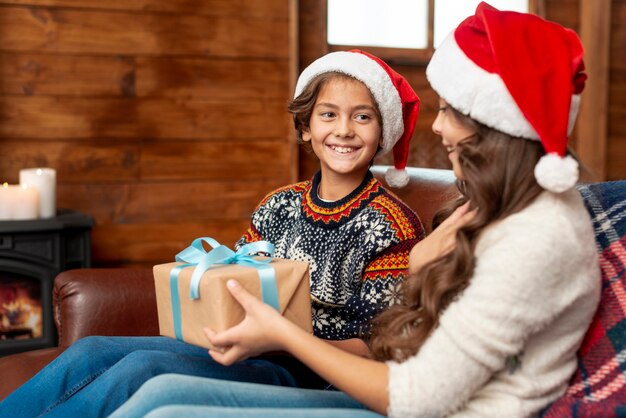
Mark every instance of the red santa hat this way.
pixel 397 102
pixel 519 74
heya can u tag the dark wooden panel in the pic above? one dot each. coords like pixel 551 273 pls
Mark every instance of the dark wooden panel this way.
pixel 215 160
pixel 115 161
pixel 65 75
pixel 616 147
pixel 71 75
pixel 617 94
pixel 312 29
pixel 415 74
pixel 74 161
pixel 618 46
pixel 617 75
pixel 273 9
pixel 616 125
pixel 134 119
pixel 616 156
pixel 101 32
pixel 182 201
pixel 158 243
pixel 217 79
pixel 618 12
pixel 565 12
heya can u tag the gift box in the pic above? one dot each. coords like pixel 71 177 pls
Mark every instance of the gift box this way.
pixel 191 293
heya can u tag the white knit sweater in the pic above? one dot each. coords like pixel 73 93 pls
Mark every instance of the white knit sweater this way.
pixel 534 291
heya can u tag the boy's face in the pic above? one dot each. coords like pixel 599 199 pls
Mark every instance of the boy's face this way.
pixel 344 130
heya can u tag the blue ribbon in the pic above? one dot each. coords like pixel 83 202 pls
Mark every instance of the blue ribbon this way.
pixel 196 255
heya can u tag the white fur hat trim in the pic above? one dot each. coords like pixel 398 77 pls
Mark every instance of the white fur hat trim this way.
pixel 555 173
pixel 370 73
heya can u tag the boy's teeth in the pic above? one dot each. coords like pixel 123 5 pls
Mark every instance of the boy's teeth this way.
pixel 342 150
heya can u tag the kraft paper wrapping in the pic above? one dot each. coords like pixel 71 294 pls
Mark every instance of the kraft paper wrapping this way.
pixel 217 309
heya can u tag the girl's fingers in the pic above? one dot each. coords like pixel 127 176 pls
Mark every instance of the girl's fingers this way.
pixel 454 216
pixel 209 332
pixel 218 357
pixel 241 295
pixel 228 357
pixel 460 211
pixel 210 335
pixel 467 217
pixel 223 339
pixel 460 216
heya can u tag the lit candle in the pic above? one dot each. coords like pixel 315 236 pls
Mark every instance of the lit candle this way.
pixel 44 181
pixel 25 202
pixel 6 202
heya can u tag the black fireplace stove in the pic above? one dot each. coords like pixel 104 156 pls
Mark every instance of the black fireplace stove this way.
pixel 32 253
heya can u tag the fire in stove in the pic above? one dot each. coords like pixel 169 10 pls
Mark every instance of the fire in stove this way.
pixel 20 310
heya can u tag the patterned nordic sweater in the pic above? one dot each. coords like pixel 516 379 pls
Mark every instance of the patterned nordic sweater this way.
pixel 357 249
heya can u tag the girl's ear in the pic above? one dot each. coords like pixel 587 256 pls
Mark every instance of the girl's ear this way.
pixel 306 134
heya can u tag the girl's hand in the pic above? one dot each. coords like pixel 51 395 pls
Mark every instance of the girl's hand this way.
pixel 441 240
pixel 261 330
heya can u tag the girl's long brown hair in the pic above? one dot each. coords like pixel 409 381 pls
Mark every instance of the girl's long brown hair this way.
pixel 499 180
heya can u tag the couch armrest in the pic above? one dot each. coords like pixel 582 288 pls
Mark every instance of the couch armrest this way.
pixel 104 302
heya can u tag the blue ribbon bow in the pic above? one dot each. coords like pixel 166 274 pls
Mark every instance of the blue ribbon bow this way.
pixel 196 255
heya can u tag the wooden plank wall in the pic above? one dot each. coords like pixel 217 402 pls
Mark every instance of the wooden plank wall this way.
pixel 426 150
pixel 165 119
pixel 616 126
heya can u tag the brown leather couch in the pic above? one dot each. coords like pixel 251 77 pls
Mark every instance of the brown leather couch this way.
pixel 122 302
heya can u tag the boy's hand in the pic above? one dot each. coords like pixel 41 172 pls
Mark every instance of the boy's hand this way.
pixel 441 240
pixel 261 330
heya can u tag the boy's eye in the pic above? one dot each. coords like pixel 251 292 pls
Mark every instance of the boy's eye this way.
pixel 363 117
pixel 443 108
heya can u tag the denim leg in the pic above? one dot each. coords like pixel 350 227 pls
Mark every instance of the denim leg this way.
pixel 178 411
pixel 115 385
pixel 171 389
pixel 79 366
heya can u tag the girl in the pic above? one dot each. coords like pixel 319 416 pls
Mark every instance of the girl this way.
pixel 355 235
pixel 501 292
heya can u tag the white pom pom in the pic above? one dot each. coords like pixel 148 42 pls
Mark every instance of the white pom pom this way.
pixel 555 173
pixel 396 178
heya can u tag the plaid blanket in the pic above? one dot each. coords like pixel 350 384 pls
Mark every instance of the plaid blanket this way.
pixel 598 389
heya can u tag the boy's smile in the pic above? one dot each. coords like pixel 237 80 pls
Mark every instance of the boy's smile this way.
pixel 345 132
pixel 342 150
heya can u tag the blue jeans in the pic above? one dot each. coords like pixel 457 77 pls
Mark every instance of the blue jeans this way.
pixel 98 374
pixel 176 396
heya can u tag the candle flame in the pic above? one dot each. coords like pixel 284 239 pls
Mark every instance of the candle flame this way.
pixel 5 184
pixel 39 171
